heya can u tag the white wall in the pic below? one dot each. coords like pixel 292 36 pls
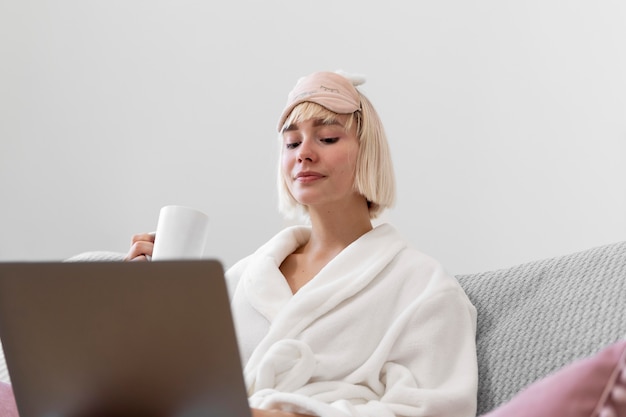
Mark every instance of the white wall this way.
pixel 507 119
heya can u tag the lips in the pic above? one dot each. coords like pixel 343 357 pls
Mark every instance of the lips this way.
pixel 308 176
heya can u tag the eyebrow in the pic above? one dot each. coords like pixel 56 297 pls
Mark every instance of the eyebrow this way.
pixel 316 123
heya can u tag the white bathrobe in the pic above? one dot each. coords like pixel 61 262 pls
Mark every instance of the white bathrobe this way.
pixel 382 330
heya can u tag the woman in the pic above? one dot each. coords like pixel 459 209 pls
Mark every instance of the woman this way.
pixel 340 318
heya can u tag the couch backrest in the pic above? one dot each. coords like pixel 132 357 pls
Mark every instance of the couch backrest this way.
pixel 537 317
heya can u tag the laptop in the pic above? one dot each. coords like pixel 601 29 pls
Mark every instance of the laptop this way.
pixel 120 339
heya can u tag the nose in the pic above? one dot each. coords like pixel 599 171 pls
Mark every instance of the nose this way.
pixel 306 151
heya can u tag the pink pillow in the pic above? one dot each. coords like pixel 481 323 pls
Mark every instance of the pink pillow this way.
pixel 7 401
pixel 591 387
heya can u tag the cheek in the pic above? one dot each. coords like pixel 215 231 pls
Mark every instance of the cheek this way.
pixel 348 164
pixel 286 165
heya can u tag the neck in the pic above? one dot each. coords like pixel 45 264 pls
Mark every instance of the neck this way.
pixel 333 230
pixel 334 227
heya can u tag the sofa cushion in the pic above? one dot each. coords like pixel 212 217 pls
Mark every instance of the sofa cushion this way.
pixel 590 387
pixel 538 317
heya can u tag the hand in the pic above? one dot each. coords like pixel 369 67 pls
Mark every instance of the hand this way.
pixel 275 413
pixel 140 247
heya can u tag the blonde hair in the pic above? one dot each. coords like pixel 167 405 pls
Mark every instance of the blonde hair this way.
pixel 374 177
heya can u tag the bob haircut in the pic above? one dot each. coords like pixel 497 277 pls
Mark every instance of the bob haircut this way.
pixel 374 177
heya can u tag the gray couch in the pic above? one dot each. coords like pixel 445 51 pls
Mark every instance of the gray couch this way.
pixel 536 317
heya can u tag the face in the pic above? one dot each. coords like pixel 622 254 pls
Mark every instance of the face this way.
pixel 318 163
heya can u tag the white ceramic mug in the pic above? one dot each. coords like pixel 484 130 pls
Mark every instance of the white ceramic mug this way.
pixel 181 234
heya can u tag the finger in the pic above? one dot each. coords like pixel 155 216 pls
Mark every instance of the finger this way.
pixel 140 258
pixel 140 248
pixel 142 237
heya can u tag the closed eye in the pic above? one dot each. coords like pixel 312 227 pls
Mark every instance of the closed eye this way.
pixel 292 145
pixel 330 140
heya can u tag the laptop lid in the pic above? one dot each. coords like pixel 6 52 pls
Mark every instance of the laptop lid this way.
pixel 120 339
